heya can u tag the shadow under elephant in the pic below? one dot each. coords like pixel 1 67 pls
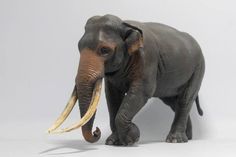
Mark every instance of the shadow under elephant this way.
pixel 78 146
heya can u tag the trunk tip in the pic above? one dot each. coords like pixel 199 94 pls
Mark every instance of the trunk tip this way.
pixel 92 137
pixel 97 133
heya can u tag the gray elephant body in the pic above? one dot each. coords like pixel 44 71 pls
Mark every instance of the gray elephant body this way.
pixel 138 61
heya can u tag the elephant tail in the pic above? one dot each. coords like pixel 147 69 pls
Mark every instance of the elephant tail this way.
pixel 199 109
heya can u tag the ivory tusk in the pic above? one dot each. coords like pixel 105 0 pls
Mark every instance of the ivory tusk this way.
pixel 66 111
pixel 90 112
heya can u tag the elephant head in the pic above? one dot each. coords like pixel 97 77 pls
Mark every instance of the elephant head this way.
pixel 105 46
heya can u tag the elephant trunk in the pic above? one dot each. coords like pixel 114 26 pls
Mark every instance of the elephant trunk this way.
pixel 89 76
pixel 85 92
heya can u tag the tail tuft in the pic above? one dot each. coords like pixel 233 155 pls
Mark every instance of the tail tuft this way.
pixel 200 112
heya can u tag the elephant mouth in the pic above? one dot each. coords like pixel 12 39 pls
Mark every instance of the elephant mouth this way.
pixel 70 105
pixel 111 73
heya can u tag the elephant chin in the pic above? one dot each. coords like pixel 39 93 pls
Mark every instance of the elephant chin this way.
pixel 86 118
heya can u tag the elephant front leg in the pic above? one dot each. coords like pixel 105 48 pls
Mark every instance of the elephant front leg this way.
pixel 127 131
pixel 114 98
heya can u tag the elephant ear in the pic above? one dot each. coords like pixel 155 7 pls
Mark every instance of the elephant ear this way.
pixel 133 38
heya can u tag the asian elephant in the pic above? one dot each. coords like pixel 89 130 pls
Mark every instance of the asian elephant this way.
pixel 137 61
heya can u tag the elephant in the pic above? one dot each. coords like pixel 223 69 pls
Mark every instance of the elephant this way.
pixel 138 61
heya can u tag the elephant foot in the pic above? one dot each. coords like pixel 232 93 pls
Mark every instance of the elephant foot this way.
pixel 127 138
pixel 113 139
pixel 131 136
pixel 177 137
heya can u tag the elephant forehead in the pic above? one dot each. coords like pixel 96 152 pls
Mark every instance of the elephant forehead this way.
pixel 96 39
pixel 103 21
pixel 106 39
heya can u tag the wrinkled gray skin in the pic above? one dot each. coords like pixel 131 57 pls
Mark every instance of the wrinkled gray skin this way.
pixel 163 63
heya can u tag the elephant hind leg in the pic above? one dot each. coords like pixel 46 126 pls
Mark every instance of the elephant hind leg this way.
pixel 183 107
pixel 189 129
pixel 172 102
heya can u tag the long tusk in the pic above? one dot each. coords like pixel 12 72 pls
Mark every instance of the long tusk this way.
pixel 66 111
pixel 90 112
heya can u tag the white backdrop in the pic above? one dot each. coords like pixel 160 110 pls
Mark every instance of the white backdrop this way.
pixel 39 59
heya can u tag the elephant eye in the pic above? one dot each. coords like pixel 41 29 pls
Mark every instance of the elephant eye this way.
pixel 104 51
